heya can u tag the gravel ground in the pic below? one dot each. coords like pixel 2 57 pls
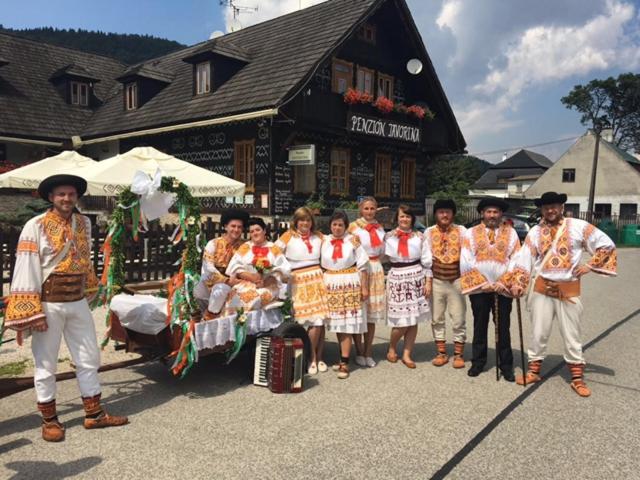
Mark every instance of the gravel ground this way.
pixel 385 422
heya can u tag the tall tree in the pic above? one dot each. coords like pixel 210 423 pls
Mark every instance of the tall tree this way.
pixel 450 176
pixel 611 103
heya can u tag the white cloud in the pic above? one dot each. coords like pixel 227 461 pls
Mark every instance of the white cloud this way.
pixel 546 54
pixel 267 9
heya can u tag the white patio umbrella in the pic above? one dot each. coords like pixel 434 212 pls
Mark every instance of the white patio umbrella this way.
pixel 109 177
pixel 30 176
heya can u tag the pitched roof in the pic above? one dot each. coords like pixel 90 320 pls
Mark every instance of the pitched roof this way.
pixel 523 162
pixel 74 70
pixel 625 155
pixel 147 70
pixel 496 179
pixel 525 159
pixel 283 50
pixel 30 103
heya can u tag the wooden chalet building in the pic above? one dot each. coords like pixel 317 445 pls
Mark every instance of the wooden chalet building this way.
pixel 239 104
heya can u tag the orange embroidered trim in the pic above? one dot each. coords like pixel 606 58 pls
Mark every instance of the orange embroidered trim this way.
pixel 27 246
pixel 286 236
pixel 588 231
pixel 605 260
pixel 78 259
pixel 486 251
pixel 519 276
pixel 471 280
pixel 244 249
pixel 446 246
pixel 355 241
pixel 22 306
pixel 560 259
pixel 276 250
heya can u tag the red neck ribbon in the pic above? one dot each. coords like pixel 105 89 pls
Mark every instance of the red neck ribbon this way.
pixel 337 248
pixel 373 234
pixel 403 243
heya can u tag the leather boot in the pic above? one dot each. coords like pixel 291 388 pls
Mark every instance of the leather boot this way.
pixel 458 355
pixel 533 373
pixel 52 429
pixel 96 417
pixel 577 379
pixel 441 358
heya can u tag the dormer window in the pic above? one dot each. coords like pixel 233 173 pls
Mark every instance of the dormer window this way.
pixel 203 78
pixel 79 93
pixel 367 33
pixel 131 96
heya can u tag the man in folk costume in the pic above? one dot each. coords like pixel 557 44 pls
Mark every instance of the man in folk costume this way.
pixel 445 242
pixel 53 269
pixel 214 285
pixel 487 249
pixel 550 262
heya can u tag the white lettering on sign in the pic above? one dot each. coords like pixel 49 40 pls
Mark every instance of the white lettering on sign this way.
pixel 383 128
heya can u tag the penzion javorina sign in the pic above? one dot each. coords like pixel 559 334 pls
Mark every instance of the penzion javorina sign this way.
pixel 383 128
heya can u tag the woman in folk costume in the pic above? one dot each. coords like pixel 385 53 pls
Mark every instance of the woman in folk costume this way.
pixel 52 272
pixel 408 284
pixel 371 236
pixel 301 246
pixel 262 271
pixel 551 260
pixel 214 286
pixel 345 265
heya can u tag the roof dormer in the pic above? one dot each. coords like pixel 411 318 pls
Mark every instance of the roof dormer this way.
pixel 75 83
pixel 142 82
pixel 214 64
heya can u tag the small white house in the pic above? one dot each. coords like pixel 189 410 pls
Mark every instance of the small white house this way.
pixel 617 189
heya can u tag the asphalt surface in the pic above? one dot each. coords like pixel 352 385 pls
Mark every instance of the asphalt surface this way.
pixel 385 422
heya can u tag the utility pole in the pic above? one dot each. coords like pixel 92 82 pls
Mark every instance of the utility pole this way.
pixel 597 130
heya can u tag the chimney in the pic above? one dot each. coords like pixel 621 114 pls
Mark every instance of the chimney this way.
pixel 504 156
pixel 607 135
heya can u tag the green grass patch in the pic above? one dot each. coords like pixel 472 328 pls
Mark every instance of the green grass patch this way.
pixel 13 369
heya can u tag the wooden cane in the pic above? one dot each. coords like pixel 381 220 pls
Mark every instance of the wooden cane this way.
pixel 524 372
pixel 496 321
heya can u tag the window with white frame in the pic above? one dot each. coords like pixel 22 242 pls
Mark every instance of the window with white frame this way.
pixel 79 93
pixel 131 96
pixel 203 78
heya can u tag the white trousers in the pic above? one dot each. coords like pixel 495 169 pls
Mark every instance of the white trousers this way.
pixel 75 322
pixel 544 310
pixel 447 299
pixel 212 300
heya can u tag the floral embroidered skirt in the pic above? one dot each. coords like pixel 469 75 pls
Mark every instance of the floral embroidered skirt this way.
pixel 406 303
pixel 248 296
pixel 376 304
pixel 309 296
pixel 346 314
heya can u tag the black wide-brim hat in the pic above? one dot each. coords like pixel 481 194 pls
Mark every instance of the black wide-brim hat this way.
pixel 234 214
pixel 445 204
pixel 49 183
pixel 550 198
pixel 493 202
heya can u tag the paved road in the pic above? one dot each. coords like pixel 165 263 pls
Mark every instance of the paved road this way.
pixel 386 422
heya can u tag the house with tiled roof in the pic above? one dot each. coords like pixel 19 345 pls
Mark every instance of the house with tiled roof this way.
pixel 617 191
pixel 265 105
pixel 513 176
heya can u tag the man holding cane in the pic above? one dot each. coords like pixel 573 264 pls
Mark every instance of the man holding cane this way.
pixel 487 249
pixel 550 261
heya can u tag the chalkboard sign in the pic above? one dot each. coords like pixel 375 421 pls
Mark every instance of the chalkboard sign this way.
pixel 283 184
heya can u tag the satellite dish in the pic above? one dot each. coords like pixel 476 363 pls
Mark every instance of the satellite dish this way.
pixel 414 66
pixel 216 34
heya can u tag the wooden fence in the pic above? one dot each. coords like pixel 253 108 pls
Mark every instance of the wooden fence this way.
pixel 152 257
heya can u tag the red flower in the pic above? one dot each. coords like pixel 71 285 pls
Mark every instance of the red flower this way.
pixel 351 97
pixel 366 97
pixel 383 104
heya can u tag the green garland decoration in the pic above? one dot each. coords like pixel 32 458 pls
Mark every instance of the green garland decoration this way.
pixel 181 299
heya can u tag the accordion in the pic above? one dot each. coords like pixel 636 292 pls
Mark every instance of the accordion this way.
pixel 279 364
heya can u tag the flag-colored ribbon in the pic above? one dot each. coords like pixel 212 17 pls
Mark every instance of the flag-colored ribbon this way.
pixel 403 243
pixel 337 248
pixel 372 228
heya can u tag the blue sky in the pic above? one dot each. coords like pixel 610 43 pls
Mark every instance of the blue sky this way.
pixel 504 64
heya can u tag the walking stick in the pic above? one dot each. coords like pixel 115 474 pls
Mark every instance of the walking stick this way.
pixel 524 372
pixel 496 321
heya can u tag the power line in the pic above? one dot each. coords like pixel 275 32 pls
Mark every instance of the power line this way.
pixel 502 150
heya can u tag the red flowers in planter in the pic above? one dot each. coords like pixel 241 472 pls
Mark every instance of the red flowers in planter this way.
pixel 420 112
pixel 383 104
pixel 353 97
